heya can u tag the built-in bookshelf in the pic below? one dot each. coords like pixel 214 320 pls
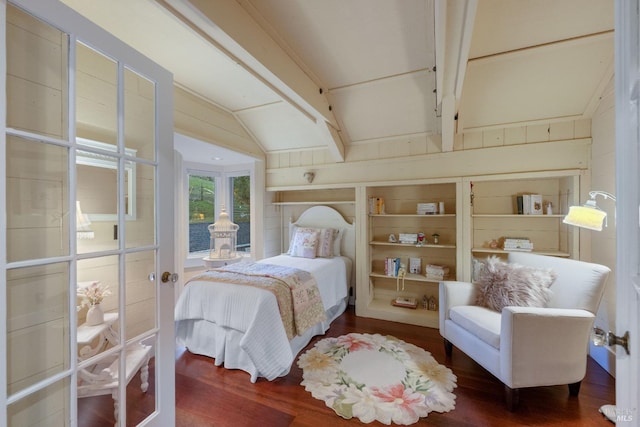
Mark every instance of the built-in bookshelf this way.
pixel 400 217
pixel 331 196
pixel 495 213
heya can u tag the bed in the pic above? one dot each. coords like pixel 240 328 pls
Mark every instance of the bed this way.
pixel 241 327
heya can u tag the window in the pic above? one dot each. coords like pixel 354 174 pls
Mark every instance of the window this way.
pixel 208 191
pixel 202 209
pixel 240 212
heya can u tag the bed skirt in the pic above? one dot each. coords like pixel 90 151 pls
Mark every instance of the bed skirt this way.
pixel 225 344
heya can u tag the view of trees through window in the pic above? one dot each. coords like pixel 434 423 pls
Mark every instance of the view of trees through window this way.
pixel 241 213
pixel 202 208
pixel 202 192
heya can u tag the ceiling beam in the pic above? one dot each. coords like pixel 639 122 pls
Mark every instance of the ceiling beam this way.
pixel 454 21
pixel 230 28
pixel 329 132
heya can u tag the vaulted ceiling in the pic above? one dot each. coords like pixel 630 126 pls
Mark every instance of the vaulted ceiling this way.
pixel 306 74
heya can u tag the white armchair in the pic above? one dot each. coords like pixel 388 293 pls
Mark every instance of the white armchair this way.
pixel 528 346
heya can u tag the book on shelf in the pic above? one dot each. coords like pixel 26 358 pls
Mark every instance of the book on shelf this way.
pixel 531 204
pixel 391 266
pixel 520 205
pixel 526 204
pixel 376 205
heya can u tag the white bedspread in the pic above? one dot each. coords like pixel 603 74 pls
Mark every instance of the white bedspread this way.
pixel 241 327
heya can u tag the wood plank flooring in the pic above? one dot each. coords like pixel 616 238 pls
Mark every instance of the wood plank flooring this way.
pixel 207 395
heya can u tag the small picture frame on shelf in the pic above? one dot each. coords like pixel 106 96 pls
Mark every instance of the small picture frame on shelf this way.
pixel 415 265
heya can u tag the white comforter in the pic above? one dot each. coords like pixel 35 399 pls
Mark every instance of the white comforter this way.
pixel 240 326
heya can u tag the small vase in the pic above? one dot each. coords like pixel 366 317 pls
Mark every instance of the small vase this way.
pixel 95 315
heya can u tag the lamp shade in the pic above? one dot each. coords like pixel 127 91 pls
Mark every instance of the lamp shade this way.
pixel 82 224
pixel 586 217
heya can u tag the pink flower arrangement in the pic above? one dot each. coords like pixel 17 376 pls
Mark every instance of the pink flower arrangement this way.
pixel 92 294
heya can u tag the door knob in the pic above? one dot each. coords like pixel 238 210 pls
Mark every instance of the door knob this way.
pixel 601 338
pixel 166 276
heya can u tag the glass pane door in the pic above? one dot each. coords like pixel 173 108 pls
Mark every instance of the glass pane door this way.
pixel 82 296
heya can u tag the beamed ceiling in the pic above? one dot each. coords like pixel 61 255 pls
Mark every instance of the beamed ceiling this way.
pixel 305 74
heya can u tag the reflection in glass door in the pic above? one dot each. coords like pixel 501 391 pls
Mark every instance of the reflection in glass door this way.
pixel 80 146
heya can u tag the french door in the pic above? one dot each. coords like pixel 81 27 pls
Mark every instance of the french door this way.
pixel 87 241
pixel 628 210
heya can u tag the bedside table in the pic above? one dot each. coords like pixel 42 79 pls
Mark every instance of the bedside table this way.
pixel 214 262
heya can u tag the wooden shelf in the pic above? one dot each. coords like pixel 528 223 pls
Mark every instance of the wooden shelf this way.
pixel 382 309
pixel 414 215
pixel 327 202
pixel 409 277
pixel 516 216
pixel 400 202
pixel 502 251
pixel 411 245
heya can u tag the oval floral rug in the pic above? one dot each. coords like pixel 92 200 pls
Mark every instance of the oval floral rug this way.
pixel 377 378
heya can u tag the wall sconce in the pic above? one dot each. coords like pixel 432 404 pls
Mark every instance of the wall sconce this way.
pixel 589 215
pixel 309 176
pixel 82 224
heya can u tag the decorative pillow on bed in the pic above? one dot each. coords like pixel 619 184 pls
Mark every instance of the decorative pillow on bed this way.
pixel 337 242
pixel 502 284
pixel 304 244
pixel 326 237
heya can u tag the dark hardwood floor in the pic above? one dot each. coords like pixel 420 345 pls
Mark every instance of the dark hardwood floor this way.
pixel 207 395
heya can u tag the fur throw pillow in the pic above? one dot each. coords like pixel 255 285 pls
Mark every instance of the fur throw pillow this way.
pixel 502 284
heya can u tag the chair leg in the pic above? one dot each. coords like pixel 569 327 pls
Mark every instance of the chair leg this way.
pixel 512 397
pixel 448 348
pixel 574 388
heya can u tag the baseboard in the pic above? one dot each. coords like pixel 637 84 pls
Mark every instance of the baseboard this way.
pixel 605 357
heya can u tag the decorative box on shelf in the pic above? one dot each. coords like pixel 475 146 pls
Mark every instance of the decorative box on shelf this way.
pixel 427 208
pixel 436 272
pixel 408 238
pixel 517 244
pixel 405 302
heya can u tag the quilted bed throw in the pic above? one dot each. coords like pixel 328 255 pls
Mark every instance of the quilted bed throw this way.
pixel 295 290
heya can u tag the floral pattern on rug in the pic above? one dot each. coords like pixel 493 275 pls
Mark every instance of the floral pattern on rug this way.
pixel 426 386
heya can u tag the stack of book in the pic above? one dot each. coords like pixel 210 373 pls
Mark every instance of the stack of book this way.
pixel 436 272
pixel 517 244
pixel 529 204
pixel 427 209
pixel 407 302
pixel 376 205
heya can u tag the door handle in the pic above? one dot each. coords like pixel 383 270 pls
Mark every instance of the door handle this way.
pixel 602 338
pixel 166 276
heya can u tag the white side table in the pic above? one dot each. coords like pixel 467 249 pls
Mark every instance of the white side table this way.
pixel 102 378
pixel 215 263
pixel 88 334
